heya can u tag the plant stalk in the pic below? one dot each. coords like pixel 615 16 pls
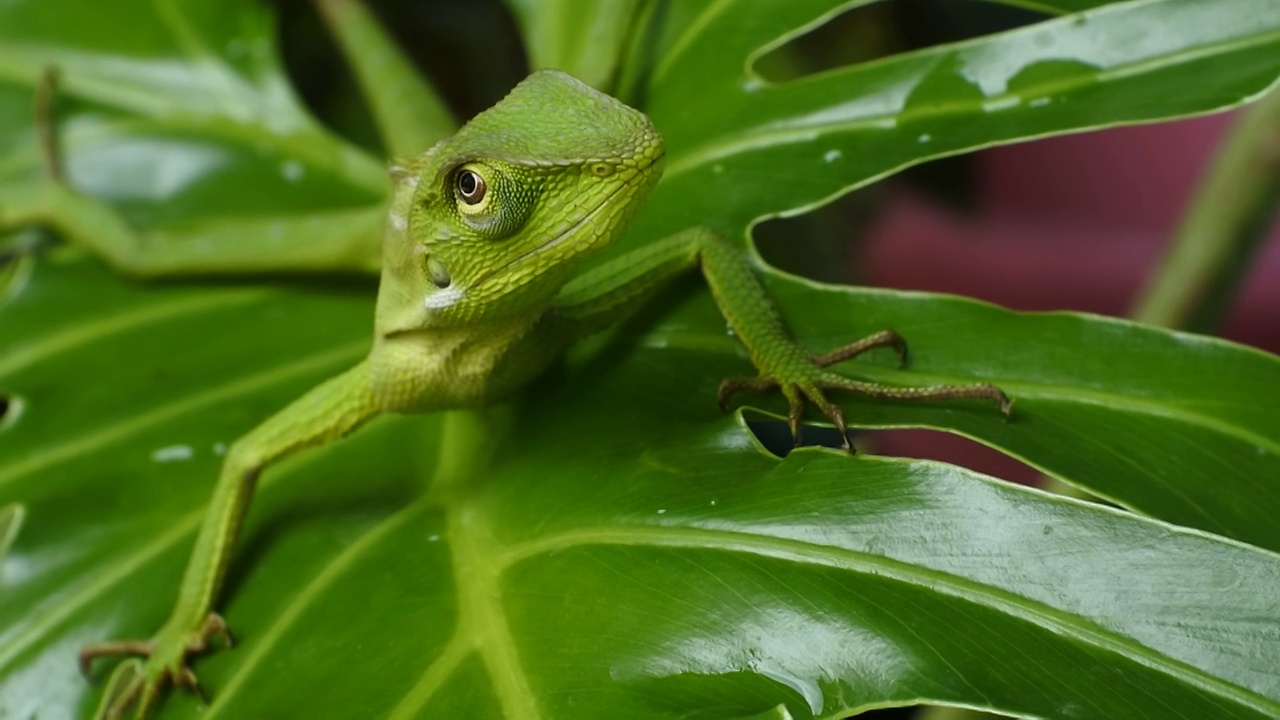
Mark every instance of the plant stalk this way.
pixel 409 113
pixel 1220 233
pixel 1222 229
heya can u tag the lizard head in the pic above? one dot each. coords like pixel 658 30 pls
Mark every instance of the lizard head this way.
pixel 495 219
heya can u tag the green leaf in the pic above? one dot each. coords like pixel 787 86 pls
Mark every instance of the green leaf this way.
pixel 740 149
pixel 1169 424
pixel 586 40
pixel 613 546
pixel 165 106
pixel 637 563
pixel 1059 6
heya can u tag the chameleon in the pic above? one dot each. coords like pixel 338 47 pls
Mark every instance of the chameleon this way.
pixel 483 284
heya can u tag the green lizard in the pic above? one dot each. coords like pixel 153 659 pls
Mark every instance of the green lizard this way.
pixel 480 290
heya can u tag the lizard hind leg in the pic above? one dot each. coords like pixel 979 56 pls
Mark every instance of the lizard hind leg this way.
pixel 974 391
pixel 801 384
pixel 884 338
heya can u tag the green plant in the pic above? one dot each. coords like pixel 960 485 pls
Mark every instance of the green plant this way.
pixel 610 544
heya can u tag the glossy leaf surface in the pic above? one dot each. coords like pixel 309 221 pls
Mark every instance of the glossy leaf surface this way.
pixel 627 551
pixel 622 549
pixel 161 107
pixel 741 149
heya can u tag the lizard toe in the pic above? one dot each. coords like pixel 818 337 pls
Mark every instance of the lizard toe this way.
pixel 154 665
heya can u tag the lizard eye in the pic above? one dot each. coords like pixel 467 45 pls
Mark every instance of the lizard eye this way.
pixel 471 186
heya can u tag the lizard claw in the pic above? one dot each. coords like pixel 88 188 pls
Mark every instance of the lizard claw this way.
pixel 802 382
pixel 164 663
pixel 796 394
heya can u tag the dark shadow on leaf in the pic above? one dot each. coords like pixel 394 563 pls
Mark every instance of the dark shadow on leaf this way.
pixel 301 513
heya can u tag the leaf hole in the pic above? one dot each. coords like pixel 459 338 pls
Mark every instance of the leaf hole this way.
pixel 914 443
pixel 775 436
pixel 832 243
pixel 949 448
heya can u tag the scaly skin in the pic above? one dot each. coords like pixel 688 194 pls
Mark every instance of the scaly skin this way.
pixel 479 292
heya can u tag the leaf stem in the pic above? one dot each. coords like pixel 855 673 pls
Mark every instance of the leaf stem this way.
pixel 46 89
pixel 1222 229
pixel 409 113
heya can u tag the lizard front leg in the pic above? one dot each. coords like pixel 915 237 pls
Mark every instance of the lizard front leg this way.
pixel 600 297
pixel 323 415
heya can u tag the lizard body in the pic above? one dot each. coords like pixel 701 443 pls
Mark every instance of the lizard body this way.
pixel 480 290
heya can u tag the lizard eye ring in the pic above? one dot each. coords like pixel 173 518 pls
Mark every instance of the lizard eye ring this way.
pixel 471 186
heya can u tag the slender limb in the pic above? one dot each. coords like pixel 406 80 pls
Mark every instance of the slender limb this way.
pixel 974 391
pixel 46 89
pixel 410 115
pixel 1222 228
pixel 884 338
pixel 598 298
pixel 326 413
pixel 323 415
pixel 89 653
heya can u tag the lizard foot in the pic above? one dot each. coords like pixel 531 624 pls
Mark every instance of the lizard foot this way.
pixel 165 662
pixel 807 380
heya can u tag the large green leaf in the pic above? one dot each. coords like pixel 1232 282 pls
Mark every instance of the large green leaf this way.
pixel 627 551
pixel 741 149
pixel 611 545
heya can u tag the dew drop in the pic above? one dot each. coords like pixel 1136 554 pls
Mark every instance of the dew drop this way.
pixel 292 170
pixel 172 453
